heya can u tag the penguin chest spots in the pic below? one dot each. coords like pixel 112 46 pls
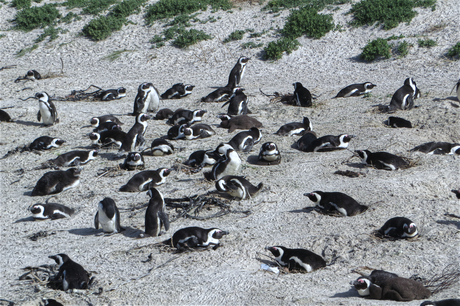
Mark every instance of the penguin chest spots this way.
pixel 304 265
pixel 271 155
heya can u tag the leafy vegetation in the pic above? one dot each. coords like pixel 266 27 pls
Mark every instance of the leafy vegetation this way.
pixel 427 43
pixel 116 54
pixel 50 31
pixel 278 5
pixel 377 48
pixel 190 37
pixel 70 17
pixel 274 50
pixel 387 12
pixel 235 35
pixel 403 48
pixel 94 7
pixel 454 51
pixel 251 45
pixel 20 4
pixel 36 17
pixel 307 21
pixel 102 27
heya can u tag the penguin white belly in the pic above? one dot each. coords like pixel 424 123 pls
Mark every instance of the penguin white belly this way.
pixel 154 101
pixel 296 131
pixel 161 150
pixel 350 93
pixel 65 284
pixel 233 166
pixel 307 267
pixel 341 210
pixel 47 117
pixel 271 155
pixel 74 184
pixel 108 225
pixel 144 184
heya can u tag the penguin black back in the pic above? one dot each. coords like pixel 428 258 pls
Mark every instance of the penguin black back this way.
pixel 155 216
pixel 297 258
pixel 302 96
pixel 74 276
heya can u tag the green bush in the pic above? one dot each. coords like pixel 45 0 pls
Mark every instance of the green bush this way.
pixel 274 50
pixel 376 48
pixel 190 37
pixel 50 31
pixel 94 7
pixel 278 5
pixel 102 27
pixel 454 51
pixel 126 8
pixel 70 4
pixel 387 12
pixel 36 17
pixel 427 43
pixel 251 45
pixel 70 17
pixel 235 35
pixel 307 21
pixel 403 48
pixel 19 4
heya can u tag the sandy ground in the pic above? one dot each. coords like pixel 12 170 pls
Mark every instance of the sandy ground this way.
pixel 231 274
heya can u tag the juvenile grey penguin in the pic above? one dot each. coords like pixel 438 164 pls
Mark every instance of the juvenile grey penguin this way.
pixel 107 138
pixel 229 165
pixel 161 147
pixel 382 160
pixel 182 116
pixel 73 158
pixel 329 143
pixel 73 275
pixel 238 103
pixel 57 181
pixel 218 95
pixel 46 143
pixel 399 227
pixel 457 87
pixel 238 187
pixel 404 97
pixel 133 161
pixel 448 302
pixel 178 91
pixel 4 116
pixel 355 90
pixel 47 110
pixel 51 211
pixel 330 201
pixel 269 154
pixel 438 148
pixel 244 141
pixel 302 96
pixel 147 99
pixel 96 121
pixel 397 122
pixel 144 180
pixel 393 288
pixel 111 94
pixel 295 128
pixel 237 73
pixel 155 216
pixel 108 217
pixel 297 258
pixel 199 130
pixel 193 237
pixel 241 122
pixel 135 136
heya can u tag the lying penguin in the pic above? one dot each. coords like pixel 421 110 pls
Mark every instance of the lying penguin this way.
pixel 383 160
pixel 336 201
pixel 193 237
pixel 297 258
pixel 399 227
pixel 73 275
pixel 238 187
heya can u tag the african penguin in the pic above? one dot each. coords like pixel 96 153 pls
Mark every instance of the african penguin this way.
pixel 178 91
pixel 336 201
pixel 457 193
pixel 73 158
pixel 244 141
pixel 238 187
pixel 302 96
pixel 458 89
pixel 135 136
pixel 111 94
pixel 57 181
pixel 404 97
pixel 396 122
pixel 237 73
pixel 74 276
pixel 133 161
pixel 144 180
pixel 47 110
pixel 297 258
pixel 199 130
pixel 182 116
pixel 161 147
pixel 218 95
pixel 238 103
pixel 377 277
pixel 4 116
pixel 46 143
pixel 448 302
pixel 147 99
pixel 51 211
pixel 192 237
pixel 329 143
pixel 438 148
pixel 177 132
pixel 164 113
pixel 33 75
pixel 229 165
pixel 394 288
pixel 295 128
pixel 96 121
pixel 106 126
pixel 155 216
pixel 107 138
pixel 382 160
pixel 202 158
pixel 269 154
pixel 399 227
pixel 355 90
pixel 304 143
pixel 108 217
pixel 241 122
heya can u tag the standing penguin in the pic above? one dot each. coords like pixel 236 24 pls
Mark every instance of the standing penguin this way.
pixel 237 73
pixel 244 141
pixel 51 211
pixel 330 201
pixel 147 99
pixel 238 103
pixel 193 237
pixel 295 128
pixel 74 276
pixel 47 110
pixel 108 217
pixel 458 89
pixel 178 91
pixel 57 181
pixel 155 216
pixel 269 154
pixel 355 90
pixel 302 96
pixel 382 160
pixel 135 135
pixel 238 187
pixel 297 258
pixel 399 227
pixel 404 97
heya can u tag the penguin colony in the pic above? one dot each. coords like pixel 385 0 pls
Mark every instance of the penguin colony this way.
pixel 226 163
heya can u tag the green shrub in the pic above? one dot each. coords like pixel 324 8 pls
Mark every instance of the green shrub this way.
pixel 427 43
pixel 172 32
pixel 274 50
pixel 126 8
pixel 403 48
pixel 387 12
pixel 251 45
pixel 94 7
pixel 235 35
pixel 376 48
pixel 70 4
pixel 278 5
pixel 307 21
pixel 19 4
pixel 70 17
pixel 36 17
pixel 190 37
pixel 50 31
pixel 454 51
pixel 102 27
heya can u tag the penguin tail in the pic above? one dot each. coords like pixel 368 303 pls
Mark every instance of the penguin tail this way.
pixel 209 176
pixel 260 186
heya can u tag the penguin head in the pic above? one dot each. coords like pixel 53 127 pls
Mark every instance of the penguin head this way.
pixel 363 154
pixel 362 285
pixel 410 230
pixel 224 117
pixel 307 123
pixel 58 141
pixel 457 193
pixel 314 196
pixel 277 251
pixel 345 138
pixel 189 87
pixel 94 136
pixel 199 112
pixel 142 118
pixel 221 185
pixel 243 60
pixel 455 150
pixel 93 153
pixel 145 87
pixel 152 192
pixel 60 259
pixel 42 96
pixel 410 82
pixel 30 74
pixel 369 85
pixel 268 146
pixel 121 90
pixel 188 131
pixel 218 233
pixel 37 209
pixel 297 85
pixel 222 148
pixel 164 172
pixel 94 122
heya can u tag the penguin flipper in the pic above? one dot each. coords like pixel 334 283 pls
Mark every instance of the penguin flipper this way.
pixel 248 144
pixel 164 219
pixel 96 220
pixel 226 103
pixel 39 116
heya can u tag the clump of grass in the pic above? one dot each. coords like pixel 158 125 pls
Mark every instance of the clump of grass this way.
pixel 277 5
pixel 94 7
pixel 70 4
pixel 116 54
pixel 126 8
pixel 36 17
pixel 235 35
pixel 20 4
pixel 375 49
pixel 70 17
pixel 394 37
pixel 190 37
pixel 387 12
pixel 24 51
pixel 427 43
pixel 275 49
pixel 251 45
pixel 307 21
pixel 454 52
pixel 50 31
pixel 403 48
pixel 102 27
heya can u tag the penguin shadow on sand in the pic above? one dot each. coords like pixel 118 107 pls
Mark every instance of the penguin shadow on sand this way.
pixel 128 232
pixel 30 123
pixel 448 222
pixel 350 293
pixel 452 98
